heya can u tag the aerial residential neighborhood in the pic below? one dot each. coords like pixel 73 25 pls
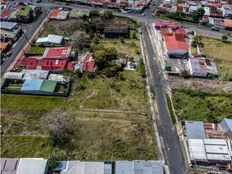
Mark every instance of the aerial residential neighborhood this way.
pixel 116 87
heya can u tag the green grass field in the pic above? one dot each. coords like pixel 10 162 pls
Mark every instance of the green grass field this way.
pixel 128 49
pixel 35 50
pixel 222 54
pixel 25 146
pixel 196 105
pixel 101 135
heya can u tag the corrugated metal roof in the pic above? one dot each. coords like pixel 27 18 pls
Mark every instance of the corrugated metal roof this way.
pixel 209 150
pixel 227 124
pixel 8 25
pixel 13 75
pixel 32 85
pixel 9 165
pixel 56 39
pixel 197 149
pixel 195 129
pixel 35 74
pixel 48 86
pixel 78 167
pixel 139 167
pixel 32 166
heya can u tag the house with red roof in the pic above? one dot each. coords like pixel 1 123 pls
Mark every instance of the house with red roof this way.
pixel 173 36
pixel 5 14
pixel 26 63
pixel 58 14
pixel 57 52
pixel 52 65
pixel 88 63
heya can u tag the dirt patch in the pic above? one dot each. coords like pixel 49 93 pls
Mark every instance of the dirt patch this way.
pixel 212 86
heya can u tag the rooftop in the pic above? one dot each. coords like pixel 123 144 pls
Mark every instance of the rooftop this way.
pixel 9 165
pixel 24 11
pixel 57 52
pixel 195 129
pixel 32 165
pixel 139 167
pixel 8 25
pixel 51 38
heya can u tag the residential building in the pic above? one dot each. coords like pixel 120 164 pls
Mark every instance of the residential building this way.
pixel 51 40
pixel 202 67
pixel 88 63
pixel 209 143
pixel 112 30
pixel 58 14
pixel 57 52
pixel 173 36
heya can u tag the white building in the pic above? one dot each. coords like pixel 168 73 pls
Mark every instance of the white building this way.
pixel 51 40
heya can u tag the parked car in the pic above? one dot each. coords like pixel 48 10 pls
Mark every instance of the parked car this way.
pixel 8 54
pixel 38 1
pixel 215 29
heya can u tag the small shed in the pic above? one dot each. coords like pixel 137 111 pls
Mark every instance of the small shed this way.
pixel 14 75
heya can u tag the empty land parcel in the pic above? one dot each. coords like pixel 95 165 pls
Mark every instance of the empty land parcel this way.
pixel 197 105
pixel 101 135
pixel 222 54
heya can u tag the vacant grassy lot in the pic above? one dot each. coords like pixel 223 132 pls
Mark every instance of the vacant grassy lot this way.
pixel 129 48
pixel 101 135
pixel 64 28
pixel 35 50
pixel 25 146
pixel 222 54
pixel 196 105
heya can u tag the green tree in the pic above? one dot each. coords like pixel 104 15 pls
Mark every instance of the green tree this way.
pixel 104 56
pixel 197 40
pixel 224 38
pixel 198 14
pixel 61 128
pixel 107 14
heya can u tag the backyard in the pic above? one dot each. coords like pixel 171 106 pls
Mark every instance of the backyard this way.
pixel 221 52
pixel 197 105
pixel 125 133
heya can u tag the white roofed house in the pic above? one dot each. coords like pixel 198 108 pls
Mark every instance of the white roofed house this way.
pixel 51 40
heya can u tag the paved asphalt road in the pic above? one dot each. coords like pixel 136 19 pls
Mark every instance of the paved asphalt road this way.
pixel 146 18
pixel 167 131
pixel 30 29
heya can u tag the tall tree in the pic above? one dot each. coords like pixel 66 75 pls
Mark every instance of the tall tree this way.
pixel 61 127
